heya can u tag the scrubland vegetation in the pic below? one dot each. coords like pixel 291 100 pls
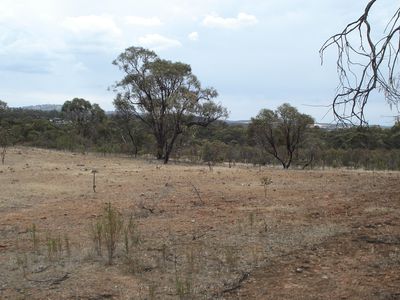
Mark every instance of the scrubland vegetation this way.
pixel 154 231
pixel 371 148
pixel 91 206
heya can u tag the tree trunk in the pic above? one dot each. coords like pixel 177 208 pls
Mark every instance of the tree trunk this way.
pixel 3 155
pixel 166 158
pixel 135 146
pixel 289 162
pixel 169 147
pixel 160 151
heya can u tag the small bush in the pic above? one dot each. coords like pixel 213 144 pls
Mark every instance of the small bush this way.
pixel 107 230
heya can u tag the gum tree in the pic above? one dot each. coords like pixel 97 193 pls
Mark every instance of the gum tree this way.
pixel 281 132
pixel 83 115
pixel 164 95
pixel 3 106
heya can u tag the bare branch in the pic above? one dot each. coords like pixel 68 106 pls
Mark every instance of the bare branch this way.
pixel 365 65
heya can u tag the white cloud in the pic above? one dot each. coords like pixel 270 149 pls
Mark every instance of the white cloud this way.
pixel 5 15
pixel 141 21
pixel 92 25
pixel 92 33
pixel 158 42
pixel 80 67
pixel 242 20
pixel 194 36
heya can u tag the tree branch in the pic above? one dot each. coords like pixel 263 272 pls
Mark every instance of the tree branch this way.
pixel 365 65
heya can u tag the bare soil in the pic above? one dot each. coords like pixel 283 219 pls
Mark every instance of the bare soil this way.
pixel 322 234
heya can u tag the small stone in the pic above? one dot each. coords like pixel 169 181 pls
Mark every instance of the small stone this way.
pixel 299 270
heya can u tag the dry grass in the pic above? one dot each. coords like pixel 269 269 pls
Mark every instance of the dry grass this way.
pixel 317 234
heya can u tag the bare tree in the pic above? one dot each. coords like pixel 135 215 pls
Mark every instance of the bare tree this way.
pixel 365 63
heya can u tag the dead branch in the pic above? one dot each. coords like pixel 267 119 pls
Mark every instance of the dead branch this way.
pixel 197 193
pixel 381 240
pixel 364 65
pixel 51 281
pixel 149 209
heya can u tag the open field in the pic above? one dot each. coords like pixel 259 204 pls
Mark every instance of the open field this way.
pixel 199 234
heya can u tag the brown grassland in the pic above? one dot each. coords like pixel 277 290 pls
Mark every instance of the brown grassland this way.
pixel 196 233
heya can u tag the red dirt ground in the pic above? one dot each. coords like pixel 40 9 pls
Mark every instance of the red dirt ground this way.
pixel 323 234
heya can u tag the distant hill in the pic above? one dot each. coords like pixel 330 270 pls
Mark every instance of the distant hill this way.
pixel 325 126
pixel 238 122
pixel 44 107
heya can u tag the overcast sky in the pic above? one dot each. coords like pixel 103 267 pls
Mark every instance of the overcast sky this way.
pixel 256 53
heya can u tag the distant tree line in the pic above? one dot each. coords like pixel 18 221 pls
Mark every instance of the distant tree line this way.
pixel 162 111
pixel 86 127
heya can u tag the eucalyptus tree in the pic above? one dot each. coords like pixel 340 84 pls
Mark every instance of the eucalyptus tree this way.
pixel 3 106
pixel 166 96
pixel 83 115
pixel 281 132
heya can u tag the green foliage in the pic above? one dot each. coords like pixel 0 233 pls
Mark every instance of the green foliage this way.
pixel 4 143
pixel 131 235
pixel 215 151
pixel 34 238
pixel 164 95
pixel 3 106
pixel 280 133
pixel 54 247
pixel 132 132
pixel 107 230
pixel 84 116
pixel 368 148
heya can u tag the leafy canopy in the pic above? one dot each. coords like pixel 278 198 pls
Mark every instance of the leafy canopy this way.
pixel 165 95
pixel 280 132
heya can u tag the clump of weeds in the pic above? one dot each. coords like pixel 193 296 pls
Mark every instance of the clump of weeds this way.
pixel 107 232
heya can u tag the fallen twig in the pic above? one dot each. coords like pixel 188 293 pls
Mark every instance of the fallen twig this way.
pixel 381 240
pixel 51 281
pixel 151 210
